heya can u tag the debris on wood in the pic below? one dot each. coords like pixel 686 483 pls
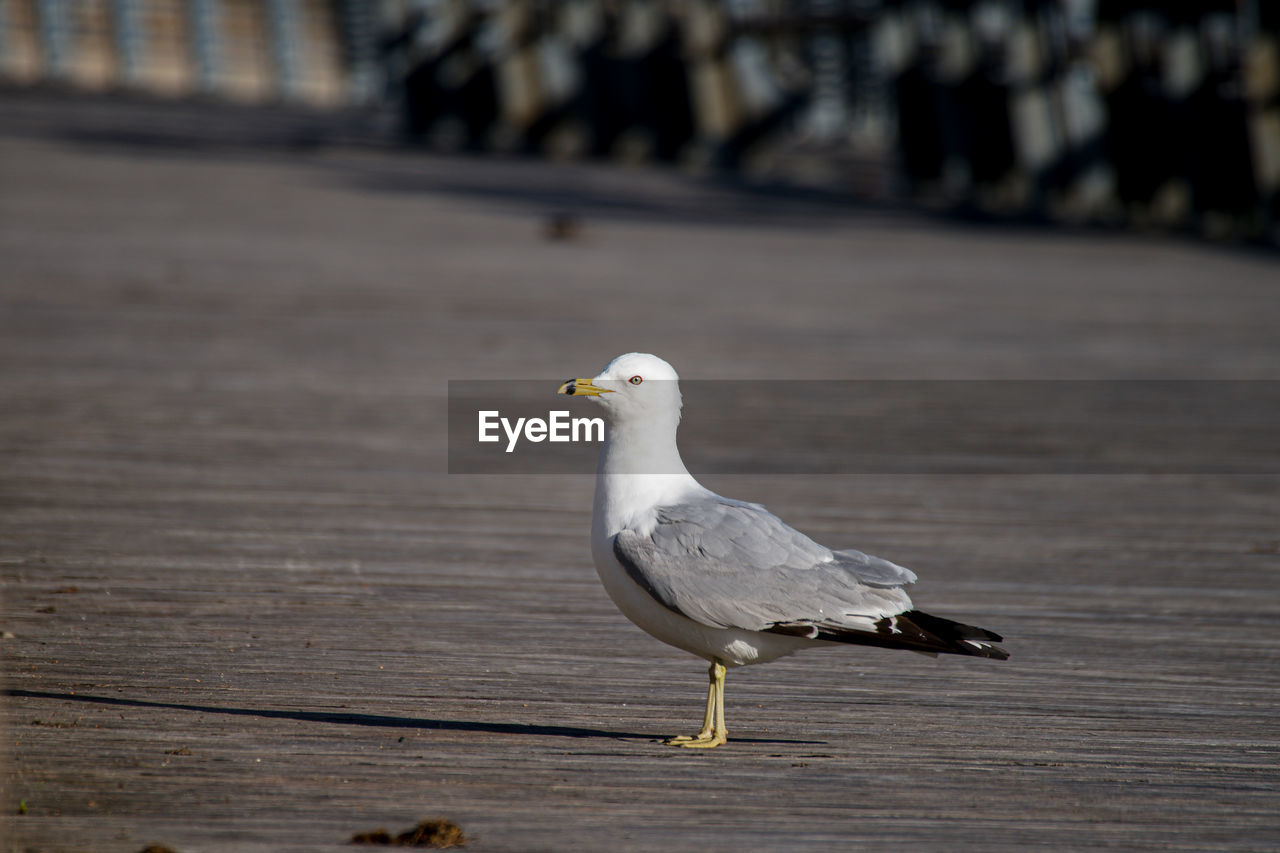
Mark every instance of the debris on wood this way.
pixel 562 226
pixel 433 833
pixel 438 833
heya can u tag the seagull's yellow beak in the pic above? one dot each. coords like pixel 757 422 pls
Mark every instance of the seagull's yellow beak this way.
pixel 582 388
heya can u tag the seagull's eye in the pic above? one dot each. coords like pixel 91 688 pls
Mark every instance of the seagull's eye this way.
pixel 636 380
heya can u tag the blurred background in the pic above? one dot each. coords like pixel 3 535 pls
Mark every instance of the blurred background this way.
pixel 1110 112
pixel 248 246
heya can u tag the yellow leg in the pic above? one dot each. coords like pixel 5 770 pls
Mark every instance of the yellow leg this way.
pixel 708 719
pixel 713 732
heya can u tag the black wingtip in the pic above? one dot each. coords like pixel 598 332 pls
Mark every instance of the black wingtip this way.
pixel 959 638
pixel 913 631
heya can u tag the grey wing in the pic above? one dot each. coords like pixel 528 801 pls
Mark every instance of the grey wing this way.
pixel 873 570
pixel 730 564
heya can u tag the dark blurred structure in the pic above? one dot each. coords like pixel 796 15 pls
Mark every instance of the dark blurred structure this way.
pixel 633 80
pixel 1113 111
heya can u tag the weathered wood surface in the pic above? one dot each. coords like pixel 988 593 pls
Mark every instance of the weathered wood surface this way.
pixel 250 612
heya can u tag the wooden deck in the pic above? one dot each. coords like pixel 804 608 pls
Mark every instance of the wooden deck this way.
pixel 250 612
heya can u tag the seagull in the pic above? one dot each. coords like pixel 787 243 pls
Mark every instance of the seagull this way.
pixel 723 579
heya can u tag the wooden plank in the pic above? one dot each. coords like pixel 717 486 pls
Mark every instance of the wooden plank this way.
pixel 251 613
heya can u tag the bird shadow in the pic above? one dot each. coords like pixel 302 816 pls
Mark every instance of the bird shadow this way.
pixel 376 720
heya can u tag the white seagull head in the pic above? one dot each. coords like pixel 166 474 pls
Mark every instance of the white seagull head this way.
pixel 633 387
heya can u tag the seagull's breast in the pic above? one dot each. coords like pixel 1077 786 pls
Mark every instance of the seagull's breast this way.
pixel 628 494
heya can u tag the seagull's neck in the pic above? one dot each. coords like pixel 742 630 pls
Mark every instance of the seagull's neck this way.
pixel 639 469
